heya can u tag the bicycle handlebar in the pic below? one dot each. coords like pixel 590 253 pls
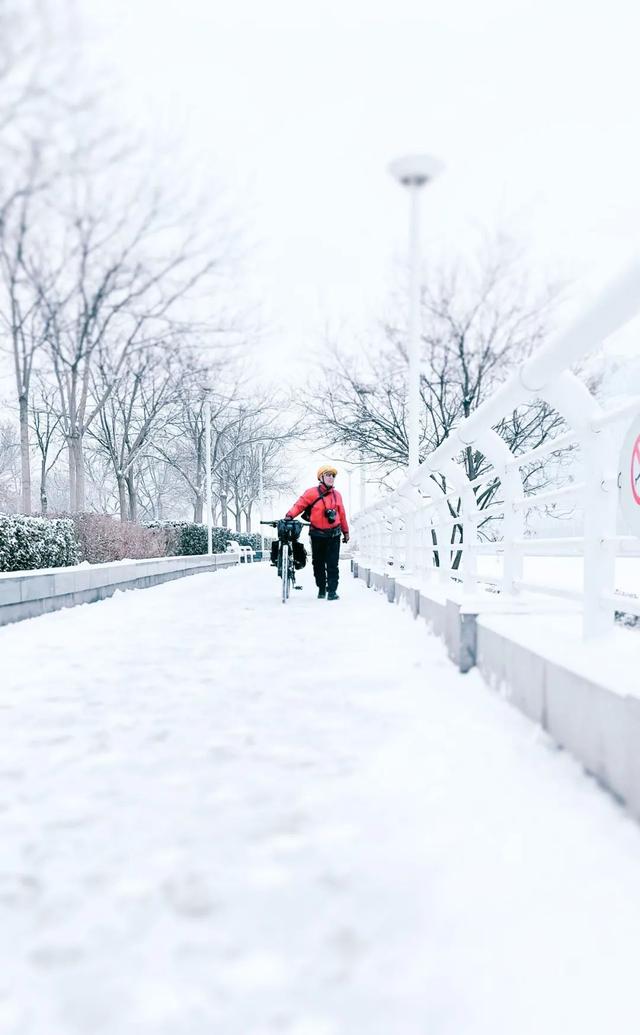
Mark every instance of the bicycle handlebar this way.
pixel 274 524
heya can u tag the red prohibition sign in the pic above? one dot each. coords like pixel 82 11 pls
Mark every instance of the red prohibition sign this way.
pixel 635 470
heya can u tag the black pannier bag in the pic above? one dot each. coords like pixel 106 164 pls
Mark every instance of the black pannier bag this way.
pixel 289 529
pixel 299 555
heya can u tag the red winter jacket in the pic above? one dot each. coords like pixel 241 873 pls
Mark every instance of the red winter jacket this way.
pixel 331 500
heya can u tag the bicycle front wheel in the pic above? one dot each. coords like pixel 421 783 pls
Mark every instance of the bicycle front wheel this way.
pixel 285 572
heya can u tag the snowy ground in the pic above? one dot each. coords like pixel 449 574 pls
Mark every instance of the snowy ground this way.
pixel 220 816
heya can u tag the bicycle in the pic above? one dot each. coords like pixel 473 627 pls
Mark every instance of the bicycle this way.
pixel 288 534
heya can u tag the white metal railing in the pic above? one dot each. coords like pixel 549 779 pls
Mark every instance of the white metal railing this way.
pixel 414 530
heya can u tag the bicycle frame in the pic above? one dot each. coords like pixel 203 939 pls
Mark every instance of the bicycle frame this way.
pixel 286 566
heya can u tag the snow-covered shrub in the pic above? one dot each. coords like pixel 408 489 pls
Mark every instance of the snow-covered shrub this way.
pixel 188 537
pixel 29 542
pixel 104 538
pixel 185 537
pixel 193 539
pixel 173 534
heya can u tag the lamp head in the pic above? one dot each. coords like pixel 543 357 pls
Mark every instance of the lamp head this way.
pixel 415 170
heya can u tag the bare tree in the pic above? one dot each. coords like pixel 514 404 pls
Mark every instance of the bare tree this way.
pixel 92 272
pixel 258 438
pixel 21 320
pixel 111 293
pixel 160 489
pixel 246 428
pixel 27 69
pixel 182 446
pixel 27 77
pixel 46 424
pixel 148 384
pixel 269 458
pixel 9 466
pixel 37 110
pixel 478 324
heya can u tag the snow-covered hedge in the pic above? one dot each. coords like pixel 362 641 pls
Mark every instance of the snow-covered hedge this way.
pixel 190 538
pixel 29 542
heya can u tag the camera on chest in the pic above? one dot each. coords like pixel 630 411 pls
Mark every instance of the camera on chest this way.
pixel 331 514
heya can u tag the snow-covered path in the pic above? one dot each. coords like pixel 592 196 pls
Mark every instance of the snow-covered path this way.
pixel 219 816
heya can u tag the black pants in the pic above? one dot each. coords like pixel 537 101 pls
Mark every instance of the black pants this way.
pixel 325 553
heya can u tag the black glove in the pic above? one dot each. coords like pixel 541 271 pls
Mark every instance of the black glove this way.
pixel 345 538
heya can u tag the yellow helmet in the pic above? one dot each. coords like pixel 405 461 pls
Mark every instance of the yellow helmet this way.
pixel 326 469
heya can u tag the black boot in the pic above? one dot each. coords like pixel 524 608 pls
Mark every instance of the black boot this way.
pixel 333 595
pixel 322 594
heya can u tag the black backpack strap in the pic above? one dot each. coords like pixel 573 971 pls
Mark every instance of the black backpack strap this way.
pixel 307 510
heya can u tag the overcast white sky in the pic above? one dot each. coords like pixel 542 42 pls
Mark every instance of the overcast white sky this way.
pixel 293 111
pixel 297 109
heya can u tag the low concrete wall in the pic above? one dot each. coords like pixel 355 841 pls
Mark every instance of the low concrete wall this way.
pixel 376 581
pixel 31 593
pixel 433 612
pixel 597 725
pixel 408 596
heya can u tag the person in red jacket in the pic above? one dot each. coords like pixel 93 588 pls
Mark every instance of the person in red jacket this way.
pixel 325 509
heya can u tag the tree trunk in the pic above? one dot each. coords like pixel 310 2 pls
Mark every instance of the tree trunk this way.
pixel 198 505
pixel 25 462
pixel 80 483
pixel 122 496
pixel 72 475
pixel 133 496
pixel 223 511
pixel 44 503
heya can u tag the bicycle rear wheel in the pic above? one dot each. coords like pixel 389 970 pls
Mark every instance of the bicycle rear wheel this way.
pixel 285 572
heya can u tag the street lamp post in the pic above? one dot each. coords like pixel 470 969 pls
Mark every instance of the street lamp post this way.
pixel 363 390
pixel 349 479
pixel 261 489
pixel 207 455
pixel 413 172
pixel 363 483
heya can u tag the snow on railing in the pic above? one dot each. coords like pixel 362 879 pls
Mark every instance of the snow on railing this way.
pixel 429 526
